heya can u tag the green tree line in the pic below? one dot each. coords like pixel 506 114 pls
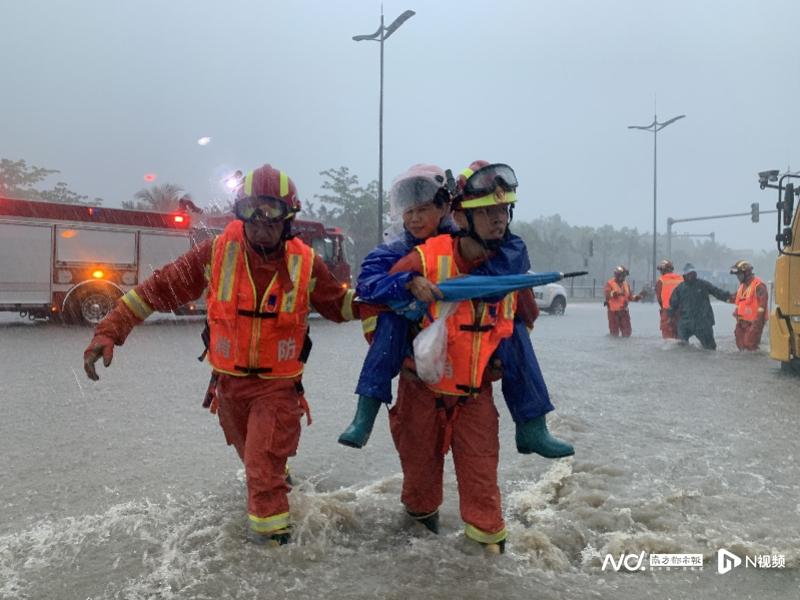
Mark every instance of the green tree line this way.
pixel 553 244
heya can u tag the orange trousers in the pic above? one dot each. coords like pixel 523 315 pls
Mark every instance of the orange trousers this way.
pixel 261 419
pixel 669 325
pixel 748 334
pixel 420 430
pixel 619 322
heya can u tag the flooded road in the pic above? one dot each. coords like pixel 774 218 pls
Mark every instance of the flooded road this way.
pixel 124 488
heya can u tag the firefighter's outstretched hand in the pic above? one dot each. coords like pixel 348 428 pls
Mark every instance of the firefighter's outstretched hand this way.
pixel 424 290
pixel 100 345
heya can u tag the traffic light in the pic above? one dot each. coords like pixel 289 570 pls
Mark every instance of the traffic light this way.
pixel 754 212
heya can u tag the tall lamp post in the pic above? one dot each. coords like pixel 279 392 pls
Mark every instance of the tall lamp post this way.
pixel 381 35
pixel 655 127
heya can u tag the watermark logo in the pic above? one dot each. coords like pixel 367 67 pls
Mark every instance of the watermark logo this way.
pixel 726 561
pixel 630 562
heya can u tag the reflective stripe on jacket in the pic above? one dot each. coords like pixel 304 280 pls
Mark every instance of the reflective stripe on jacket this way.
pixel 669 281
pixel 619 300
pixel 747 301
pixel 250 337
pixel 474 330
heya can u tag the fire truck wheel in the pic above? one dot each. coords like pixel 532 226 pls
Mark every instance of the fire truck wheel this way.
pixel 90 306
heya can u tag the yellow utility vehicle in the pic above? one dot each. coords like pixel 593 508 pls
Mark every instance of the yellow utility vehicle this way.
pixel 784 321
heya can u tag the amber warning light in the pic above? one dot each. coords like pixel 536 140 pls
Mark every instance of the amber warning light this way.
pixel 98 274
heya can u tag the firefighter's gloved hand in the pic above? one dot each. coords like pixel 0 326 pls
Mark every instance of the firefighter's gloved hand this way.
pixel 100 345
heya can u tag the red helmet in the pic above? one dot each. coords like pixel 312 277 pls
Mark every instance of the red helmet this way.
pixel 268 182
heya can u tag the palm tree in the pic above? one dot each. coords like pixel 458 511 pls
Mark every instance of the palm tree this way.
pixel 159 198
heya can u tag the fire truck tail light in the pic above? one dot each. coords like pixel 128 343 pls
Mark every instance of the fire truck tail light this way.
pixel 129 278
pixel 64 276
pixel 98 274
pixel 178 218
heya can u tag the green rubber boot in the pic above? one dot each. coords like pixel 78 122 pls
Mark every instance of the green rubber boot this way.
pixel 533 437
pixel 357 434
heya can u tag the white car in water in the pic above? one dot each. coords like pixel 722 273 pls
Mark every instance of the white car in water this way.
pixel 551 298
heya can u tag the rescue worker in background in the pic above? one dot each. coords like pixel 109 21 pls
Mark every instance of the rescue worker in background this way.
pixel 420 198
pixel 690 303
pixel 618 294
pixel 752 301
pixel 665 285
pixel 458 412
pixel 262 283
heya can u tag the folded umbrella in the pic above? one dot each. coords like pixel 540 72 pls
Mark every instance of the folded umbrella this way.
pixel 468 287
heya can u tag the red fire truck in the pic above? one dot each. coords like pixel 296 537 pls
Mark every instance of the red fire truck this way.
pixel 72 262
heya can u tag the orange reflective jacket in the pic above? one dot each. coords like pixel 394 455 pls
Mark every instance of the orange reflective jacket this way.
pixel 747 301
pixel 256 337
pixel 474 330
pixel 619 300
pixel 669 281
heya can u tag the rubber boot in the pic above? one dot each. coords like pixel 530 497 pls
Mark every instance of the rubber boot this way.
pixel 273 540
pixel 533 437
pixel 357 434
pixel 429 520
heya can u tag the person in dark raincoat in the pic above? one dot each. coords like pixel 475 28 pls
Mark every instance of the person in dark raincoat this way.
pixel 690 300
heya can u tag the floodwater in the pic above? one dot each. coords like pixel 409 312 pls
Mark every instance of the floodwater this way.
pixel 124 488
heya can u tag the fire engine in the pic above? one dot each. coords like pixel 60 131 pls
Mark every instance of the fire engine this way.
pixel 72 262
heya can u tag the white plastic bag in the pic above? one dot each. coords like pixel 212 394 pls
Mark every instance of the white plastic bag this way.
pixel 430 347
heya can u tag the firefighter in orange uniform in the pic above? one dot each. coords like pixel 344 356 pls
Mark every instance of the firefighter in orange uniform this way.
pixel 261 285
pixel 618 294
pixel 668 281
pixel 752 301
pixel 458 412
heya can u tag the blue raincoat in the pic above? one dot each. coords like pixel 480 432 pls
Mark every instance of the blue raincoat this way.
pixel 523 385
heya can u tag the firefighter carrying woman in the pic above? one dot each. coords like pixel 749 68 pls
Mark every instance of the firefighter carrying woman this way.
pixel 486 340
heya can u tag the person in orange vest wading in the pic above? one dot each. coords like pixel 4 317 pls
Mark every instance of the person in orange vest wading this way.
pixel 261 284
pixel 665 285
pixel 618 294
pixel 752 300
pixel 457 412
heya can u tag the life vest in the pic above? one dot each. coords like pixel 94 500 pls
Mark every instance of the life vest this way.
pixel 474 330
pixel 669 281
pixel 747 301
pixel 256 337
pixel 620 300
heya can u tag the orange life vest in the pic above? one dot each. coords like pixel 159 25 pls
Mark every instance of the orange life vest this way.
pixel 747 301
pixel 474 330
pixel 620 300
pixel 669 281
pixel 250 336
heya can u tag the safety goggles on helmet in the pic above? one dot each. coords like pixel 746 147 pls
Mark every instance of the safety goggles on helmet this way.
pixel 487 179
pixel 261 208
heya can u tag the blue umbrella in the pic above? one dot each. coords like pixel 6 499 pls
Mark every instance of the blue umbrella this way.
pixel 468 287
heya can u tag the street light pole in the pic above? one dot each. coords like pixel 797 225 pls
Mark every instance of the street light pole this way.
pixel 381 35
pixel 655 127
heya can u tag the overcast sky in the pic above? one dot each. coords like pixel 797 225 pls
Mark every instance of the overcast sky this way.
pixel 107 91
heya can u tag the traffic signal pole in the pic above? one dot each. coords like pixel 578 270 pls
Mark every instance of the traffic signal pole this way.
pixel 753 214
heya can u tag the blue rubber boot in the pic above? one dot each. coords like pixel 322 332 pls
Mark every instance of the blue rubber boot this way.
pixel 357 434
pixel 533 437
